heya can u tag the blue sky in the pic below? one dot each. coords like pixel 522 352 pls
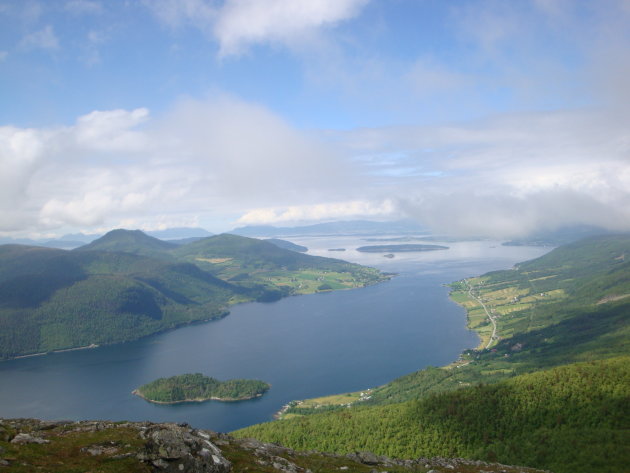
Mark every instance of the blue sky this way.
pixel 150 114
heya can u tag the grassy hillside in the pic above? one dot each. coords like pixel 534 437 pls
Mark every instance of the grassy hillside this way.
pixel 287 245
pixel 271 272
pixel 126 285
pixel 566 307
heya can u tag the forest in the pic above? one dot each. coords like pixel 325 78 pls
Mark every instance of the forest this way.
pixel 197 387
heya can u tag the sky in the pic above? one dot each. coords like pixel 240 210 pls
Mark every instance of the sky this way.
pixel 487 118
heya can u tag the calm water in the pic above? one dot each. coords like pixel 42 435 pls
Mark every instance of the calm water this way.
pixel 304 346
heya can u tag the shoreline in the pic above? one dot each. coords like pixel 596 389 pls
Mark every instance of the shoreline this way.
pixel 52 352
pixel 385 277
pixel 135 392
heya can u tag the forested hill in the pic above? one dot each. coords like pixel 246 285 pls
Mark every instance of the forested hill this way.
pixel 239 253
pixel 197 387
pixel 129 241
pixel 56 299
pixel 562 335
pixel 570 419
pixel 126 285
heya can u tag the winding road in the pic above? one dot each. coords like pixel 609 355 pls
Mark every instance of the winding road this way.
pixel 494 323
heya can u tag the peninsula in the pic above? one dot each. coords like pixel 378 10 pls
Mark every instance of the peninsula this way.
pixel 198 388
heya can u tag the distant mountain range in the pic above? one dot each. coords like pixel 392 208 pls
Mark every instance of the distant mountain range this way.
pixel 74 240
pixel 183 235
pixel 354 227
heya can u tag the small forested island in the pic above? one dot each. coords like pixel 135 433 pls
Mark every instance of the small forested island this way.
pixel 198 388
pixel 399 248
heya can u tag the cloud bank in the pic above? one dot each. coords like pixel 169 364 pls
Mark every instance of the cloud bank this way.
pixel 225 158
pixel 318 212
pixel 211 157
pixel 509 176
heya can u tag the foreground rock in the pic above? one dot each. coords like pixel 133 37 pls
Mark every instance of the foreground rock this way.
pixel 30 445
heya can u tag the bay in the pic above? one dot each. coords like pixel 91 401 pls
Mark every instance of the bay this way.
pixel 305 346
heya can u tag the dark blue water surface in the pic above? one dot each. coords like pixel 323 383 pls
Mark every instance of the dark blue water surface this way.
pixel 305 346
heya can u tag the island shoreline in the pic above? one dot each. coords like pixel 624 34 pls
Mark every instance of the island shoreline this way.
pixel 135 392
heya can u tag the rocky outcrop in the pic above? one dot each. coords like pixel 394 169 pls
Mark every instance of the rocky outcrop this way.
pixel 34 445
pixel 164 448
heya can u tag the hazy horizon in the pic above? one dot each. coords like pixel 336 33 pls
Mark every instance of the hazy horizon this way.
pixel 474 118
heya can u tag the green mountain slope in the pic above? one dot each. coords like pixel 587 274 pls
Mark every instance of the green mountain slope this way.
pixel 270 272
pixel 56 299
pixel 129 241
pixel 568 419
pixel 250 253
pixel 126 285
pixel 287 245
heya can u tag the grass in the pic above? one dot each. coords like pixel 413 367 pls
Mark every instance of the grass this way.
pixel 65 454
pixel 324 403
pixel 214 260
pixel 506 304
pixel 311 281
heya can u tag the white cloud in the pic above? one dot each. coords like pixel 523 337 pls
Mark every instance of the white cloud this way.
pixel 20 152
pixel 111 130
pixel 3 55
pixel 42 39
pixel 239 24
pixel 509 176
pixel 503 177
pixel 248 151
pixel 328 211
pixel 203 158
